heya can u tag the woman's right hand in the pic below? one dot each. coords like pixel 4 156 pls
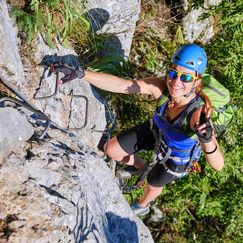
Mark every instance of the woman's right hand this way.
pixel 70 72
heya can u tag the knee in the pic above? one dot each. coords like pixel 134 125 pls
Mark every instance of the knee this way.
pixel 114 150
pixel 110 148
pixel 154 188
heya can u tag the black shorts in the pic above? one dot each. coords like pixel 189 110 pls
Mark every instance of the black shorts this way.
pixel 140 138
pixel 137 139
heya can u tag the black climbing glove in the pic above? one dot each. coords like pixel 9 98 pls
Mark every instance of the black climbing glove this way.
pixel 70 72
pixel 205 137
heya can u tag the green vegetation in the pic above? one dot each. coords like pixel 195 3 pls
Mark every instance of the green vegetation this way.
pixel 54 19
pixel 205 207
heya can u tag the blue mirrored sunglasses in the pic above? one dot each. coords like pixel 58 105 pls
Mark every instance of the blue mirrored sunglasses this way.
pixel 183 76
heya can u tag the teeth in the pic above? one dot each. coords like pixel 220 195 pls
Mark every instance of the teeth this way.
pixel 177 88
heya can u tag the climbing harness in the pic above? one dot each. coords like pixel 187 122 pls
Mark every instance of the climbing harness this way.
pixel 163 152
pixel 191 168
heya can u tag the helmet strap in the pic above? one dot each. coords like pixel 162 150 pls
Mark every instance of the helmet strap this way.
pixel 191 92
pixel 193 88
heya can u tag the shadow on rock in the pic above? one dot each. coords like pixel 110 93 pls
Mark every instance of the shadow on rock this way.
pixel 116 228
pixel 121 230
pixel 85 227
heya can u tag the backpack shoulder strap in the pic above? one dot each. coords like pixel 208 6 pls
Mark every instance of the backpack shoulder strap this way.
pixel 163 98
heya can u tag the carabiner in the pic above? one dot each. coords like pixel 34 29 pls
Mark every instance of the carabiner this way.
pixel 195 168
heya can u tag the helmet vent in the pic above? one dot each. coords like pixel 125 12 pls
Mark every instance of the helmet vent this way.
pixel 178 58
pixel 191 63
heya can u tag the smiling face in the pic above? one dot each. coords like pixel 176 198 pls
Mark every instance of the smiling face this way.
pixel 176 87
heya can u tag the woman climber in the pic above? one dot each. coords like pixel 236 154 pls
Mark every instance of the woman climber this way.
pixel 175 135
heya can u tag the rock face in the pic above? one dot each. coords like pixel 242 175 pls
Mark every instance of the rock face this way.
pixel 118 20
pixel 64 110
pixel 197 29
pixel 11 121
pixel 57 189
pixel 62 191
pixel 10 62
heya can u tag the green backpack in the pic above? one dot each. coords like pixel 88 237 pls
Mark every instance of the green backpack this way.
pixel 219 96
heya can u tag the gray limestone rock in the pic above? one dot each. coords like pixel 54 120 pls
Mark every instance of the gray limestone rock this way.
pixel 57 189
pixel 64 110
pixel 194 28
pixel 14 131
pixel 10 62
pixel 61 191
pixel 118 20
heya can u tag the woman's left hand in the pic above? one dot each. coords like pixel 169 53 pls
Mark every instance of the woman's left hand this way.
pixel 203 128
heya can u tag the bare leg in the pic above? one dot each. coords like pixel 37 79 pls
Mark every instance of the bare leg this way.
pixel 150 193
pixel 116 152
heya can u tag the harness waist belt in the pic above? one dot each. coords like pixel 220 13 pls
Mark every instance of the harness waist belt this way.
pixel 177 160
pixel 180 160
pixel 172 172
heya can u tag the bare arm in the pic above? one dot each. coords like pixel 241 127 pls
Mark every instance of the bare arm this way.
pixel 152 86
pixel 215 159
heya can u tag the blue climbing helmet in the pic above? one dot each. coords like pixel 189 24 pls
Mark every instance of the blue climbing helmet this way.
pixel 192 57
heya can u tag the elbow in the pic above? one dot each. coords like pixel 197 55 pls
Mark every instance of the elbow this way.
pixel 220 166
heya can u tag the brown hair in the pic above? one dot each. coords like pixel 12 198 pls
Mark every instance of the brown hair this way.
pixel 202 94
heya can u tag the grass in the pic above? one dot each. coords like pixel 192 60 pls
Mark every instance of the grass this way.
pixel 54 19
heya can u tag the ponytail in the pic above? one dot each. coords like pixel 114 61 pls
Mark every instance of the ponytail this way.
pixel 202 94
